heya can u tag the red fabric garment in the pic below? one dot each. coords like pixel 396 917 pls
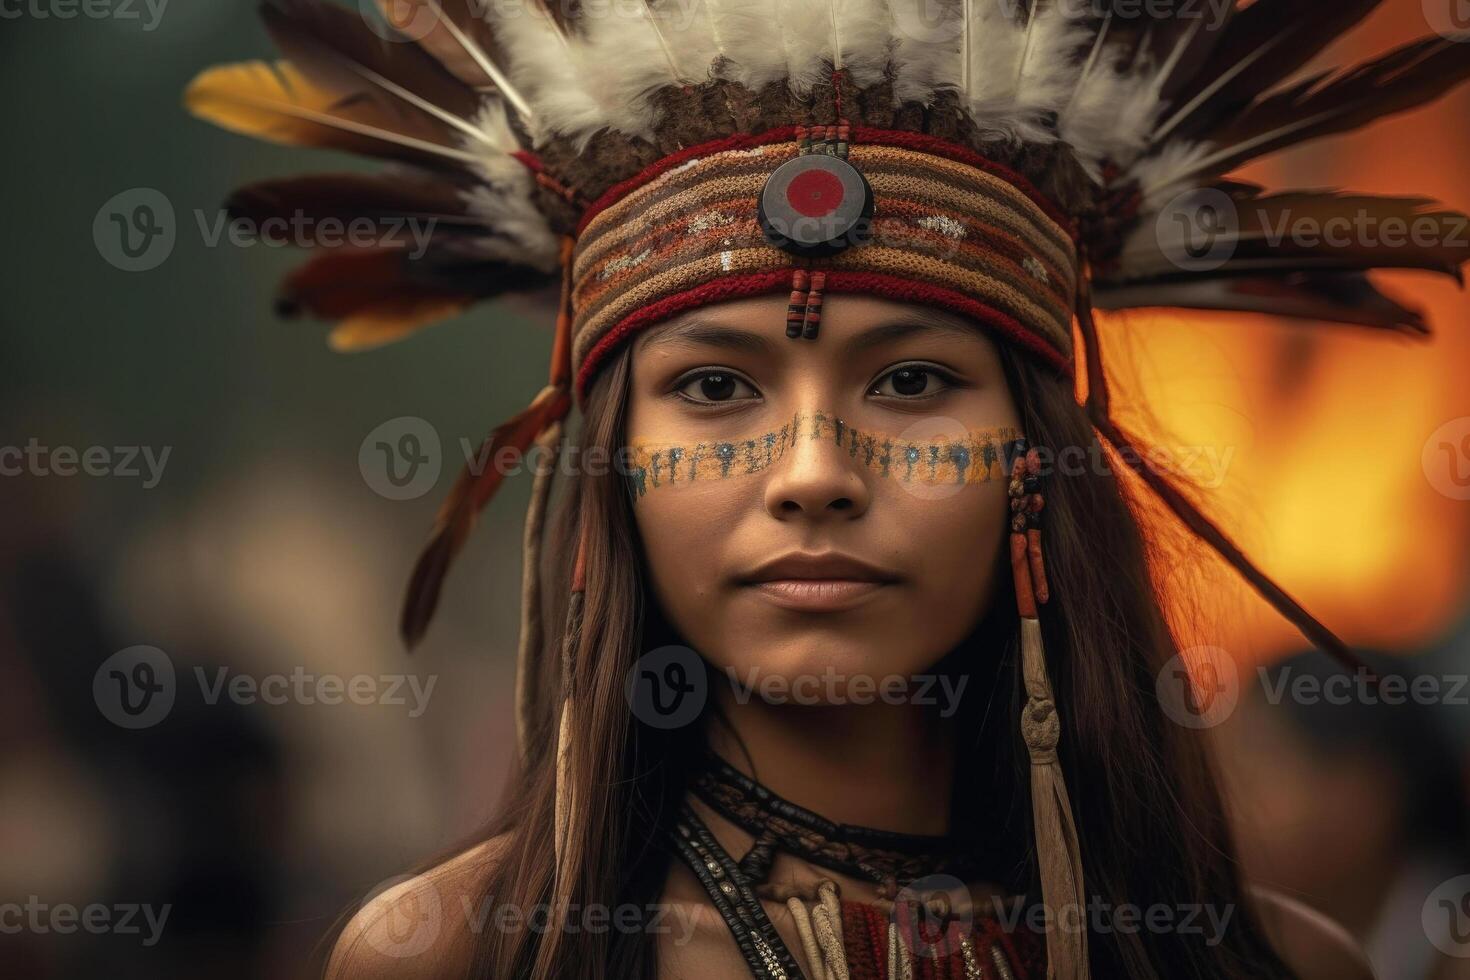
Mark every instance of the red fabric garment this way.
pixel 865 935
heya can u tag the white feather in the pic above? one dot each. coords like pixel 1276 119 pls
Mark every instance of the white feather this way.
pixel 503 201
pixel 862 39
pixel 806 34
pixel 1112 117
pixel 1167 172
pixel 927 42
pixel 635 50
pixel 744 29
pixel 547 68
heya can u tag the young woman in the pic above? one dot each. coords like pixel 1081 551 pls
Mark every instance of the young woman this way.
pixel 842 659
pixel 826 565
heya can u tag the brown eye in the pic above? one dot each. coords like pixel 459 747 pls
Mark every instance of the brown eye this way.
pixel 713 387
pixel 914 381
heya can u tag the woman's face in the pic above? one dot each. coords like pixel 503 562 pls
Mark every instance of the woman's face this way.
pixel 869 460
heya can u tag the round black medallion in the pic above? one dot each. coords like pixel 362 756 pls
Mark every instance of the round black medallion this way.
pixel 816 206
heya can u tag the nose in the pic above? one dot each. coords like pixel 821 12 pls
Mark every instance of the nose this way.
pixel 817 477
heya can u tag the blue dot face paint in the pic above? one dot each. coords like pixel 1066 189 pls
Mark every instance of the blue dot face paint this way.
pixel 974 456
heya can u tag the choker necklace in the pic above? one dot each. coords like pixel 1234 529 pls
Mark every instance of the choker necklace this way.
pixel 884 857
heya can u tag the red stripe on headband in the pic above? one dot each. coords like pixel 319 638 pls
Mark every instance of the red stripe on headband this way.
pixel 779 280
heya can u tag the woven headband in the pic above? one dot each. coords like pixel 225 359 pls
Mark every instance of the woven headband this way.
pixel 949 229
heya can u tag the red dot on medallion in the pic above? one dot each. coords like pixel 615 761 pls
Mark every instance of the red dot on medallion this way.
pixel 814 193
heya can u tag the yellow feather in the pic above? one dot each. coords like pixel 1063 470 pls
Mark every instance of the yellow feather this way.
pixel 375 328
pixel 276 102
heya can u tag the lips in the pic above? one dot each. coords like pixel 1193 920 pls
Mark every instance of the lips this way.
pixel 818 582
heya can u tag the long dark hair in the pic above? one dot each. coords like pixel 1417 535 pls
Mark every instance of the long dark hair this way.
pixel 1152 825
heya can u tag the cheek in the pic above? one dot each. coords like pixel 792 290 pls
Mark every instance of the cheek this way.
pixel 953 543
pixel 684 531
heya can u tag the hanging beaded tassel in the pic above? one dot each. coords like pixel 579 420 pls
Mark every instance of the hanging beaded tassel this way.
pixel 804 311
pixel 1059 853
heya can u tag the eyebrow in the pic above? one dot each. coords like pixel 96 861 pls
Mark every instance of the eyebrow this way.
pixel 697 331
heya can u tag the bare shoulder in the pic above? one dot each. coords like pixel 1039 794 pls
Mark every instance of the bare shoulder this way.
pixel 419 927
pixel 1315 946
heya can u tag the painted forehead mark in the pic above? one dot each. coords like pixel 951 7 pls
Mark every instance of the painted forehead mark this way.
pixel 977 456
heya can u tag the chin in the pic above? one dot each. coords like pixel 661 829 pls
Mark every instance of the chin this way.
pixel 818 663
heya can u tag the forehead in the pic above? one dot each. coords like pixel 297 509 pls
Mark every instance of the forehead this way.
pixel 851 324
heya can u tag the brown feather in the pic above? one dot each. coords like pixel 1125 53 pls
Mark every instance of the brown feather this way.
pixel 1403 79
pixel 1333 298
pixel 1279 37
pixel 337 50
pixel 1361 232
pixel 471 492
pixel 347 197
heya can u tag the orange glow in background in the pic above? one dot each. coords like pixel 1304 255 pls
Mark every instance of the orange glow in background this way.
pixel 1323 426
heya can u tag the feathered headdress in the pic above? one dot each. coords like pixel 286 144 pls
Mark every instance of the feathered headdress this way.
pixel 1018 162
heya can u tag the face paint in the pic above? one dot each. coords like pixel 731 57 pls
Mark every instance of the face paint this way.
pixel 977 456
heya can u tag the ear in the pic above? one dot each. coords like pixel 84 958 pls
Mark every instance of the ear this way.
pixel 1313 945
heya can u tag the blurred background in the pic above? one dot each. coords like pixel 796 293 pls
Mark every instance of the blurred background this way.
pixel 196 525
